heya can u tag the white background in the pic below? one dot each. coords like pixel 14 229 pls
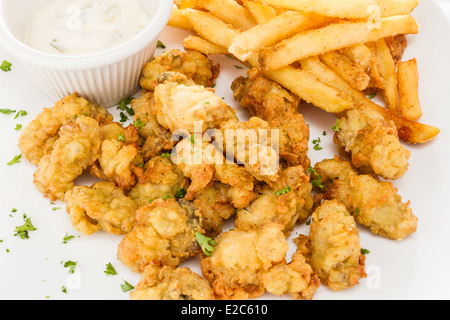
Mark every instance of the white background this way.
pixel 413 269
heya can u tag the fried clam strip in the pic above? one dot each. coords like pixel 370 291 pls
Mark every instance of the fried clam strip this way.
pixel 289 200
pixel 119 156
pixel 77 148
pixel 269 101
pixel 193 64
pixel 170 283
pixel 38 138
pixel 372 143
pixel 335 252
pixel 246 264
pixel 164 233
pixel 374 203
pixel 202 163
pixel 103 206
pixel 157 138
pixel 158 178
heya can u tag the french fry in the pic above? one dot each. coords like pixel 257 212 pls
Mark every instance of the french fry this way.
pixel 376 80
pixel 230 12
pixel 359 54
pixel 211 28
pixel 408 86
pixel 389 73
pixel 306 86
pixel 283 26
pixel 397 45
pixel 390 8
pixel 260 12
pixel 203 46
pixel 332 37
pixel 178 20
pixel 349 71
pixel 409 131
pixel 351 9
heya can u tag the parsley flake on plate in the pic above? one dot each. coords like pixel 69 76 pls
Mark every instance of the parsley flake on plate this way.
pixel 110 271
pixel 126 286
pixel 6 66
pixel 72 265
pixel 22 231
pixel 207 244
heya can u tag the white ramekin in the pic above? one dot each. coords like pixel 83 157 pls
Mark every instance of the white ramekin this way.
pixel 105 77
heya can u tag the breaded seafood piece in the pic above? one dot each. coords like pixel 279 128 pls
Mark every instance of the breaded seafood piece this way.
pixel 37 139
pixel 374 203
pixel 164 233
pixel 100 207
pixel 119 156
pixel 157 138
pixel 77 148
pixel 202 163
pixel 289 200
pixel 159 178
pixel 193 64
pixel 266 99
pixel 335 247
pixel 372 143
pixel 169 283
pixel 214 204
pixel 244 264
pixel 180 107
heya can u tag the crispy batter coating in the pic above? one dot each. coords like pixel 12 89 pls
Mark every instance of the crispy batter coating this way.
pixel 169 283
pixel 164 233
pixel 180 106
pixel 374 203
pixel 372 143
pixel 38 138
pixel 244 264
pixel 157 179
pixel 269 101
pixel 289 200
pixel 335 250
pixel 157 138
pixel 78 147
pixel 191 63
pixel 100 207
pixel 119 156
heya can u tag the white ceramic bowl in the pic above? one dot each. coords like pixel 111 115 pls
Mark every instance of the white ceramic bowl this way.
pixel 105 77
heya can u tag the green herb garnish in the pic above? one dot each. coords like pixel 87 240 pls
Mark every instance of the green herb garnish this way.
pixel 22 231
pixel 21 113
pixel 336 126
pixel 110 271
pixel 160 45
pixel 15 160
pixel 6 66
pixel 181 193
pixel 126 286
pixel 7 111
pixel 71 265
pixel 283 191
pixel 67 238
pixel 364 251
pixel 121 138
pixel 317 182
pixel 207 244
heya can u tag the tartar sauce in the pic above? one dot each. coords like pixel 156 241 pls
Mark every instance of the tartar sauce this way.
pixel 79 27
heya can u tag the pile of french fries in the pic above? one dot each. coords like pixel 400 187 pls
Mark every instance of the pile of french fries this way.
pixel 332 54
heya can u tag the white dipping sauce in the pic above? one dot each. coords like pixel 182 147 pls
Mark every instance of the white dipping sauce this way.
pixel 79 27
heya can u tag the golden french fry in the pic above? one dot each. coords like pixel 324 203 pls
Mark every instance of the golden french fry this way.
pixel 351 9
pixel 388 71
pixel 376 80
pixel 230 12
pixel 203 46
pixel 261 13
pixel 349 71
pixel 408 86
pixel 359 54
pixel 211 28
pixel 177 20
pixel 306 86
pixel 332 37
pixel 283 26
pixel 390 8
pixel 409 131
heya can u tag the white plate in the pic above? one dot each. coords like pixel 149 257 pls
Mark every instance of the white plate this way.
pixel 413 269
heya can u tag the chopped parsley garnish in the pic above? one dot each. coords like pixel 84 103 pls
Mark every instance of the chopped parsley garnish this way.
pixel 18 127
pixel 67 238
pixel 166 197
pixel 207 244
pixel 192 139
pixel 139 125
pixel 160 45
pixel 123 117
pixel 308 222
pixel 357 211
pixel 7 111
pixel 126 286
pixel 64 289
pixel 121 138
pixel 22 231
pixel 166 155
pixel 71 265
pixel 110 271
pixel 316 144
pixel 317 182
pixel 364 251
pixel 373 95
pixel 21 113
pixel 6 66
pixel 336 126
pixel 181 193
pixel 238 67
pixel 123 105
pixel 283 191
